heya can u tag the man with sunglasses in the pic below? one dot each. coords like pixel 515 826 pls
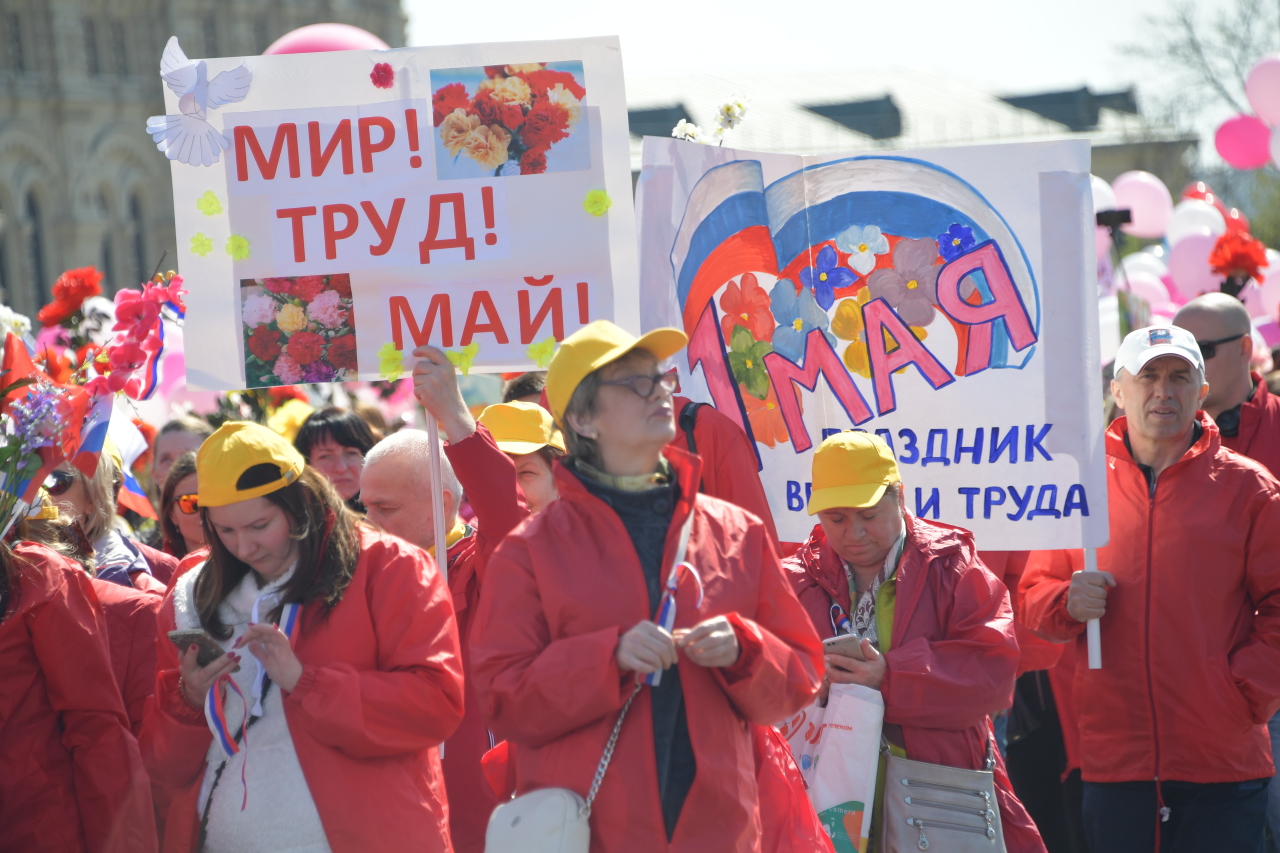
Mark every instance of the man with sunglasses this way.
pixel 1247 415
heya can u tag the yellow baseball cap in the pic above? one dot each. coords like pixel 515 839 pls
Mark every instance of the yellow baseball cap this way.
pixel 521 428
pixel 236 447
pixel 851 469
pixel 591 348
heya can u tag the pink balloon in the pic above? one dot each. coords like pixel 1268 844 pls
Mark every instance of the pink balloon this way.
pixel 1244 142
pixel 320 38
pixel 1148 201
pixel 1149 288
pixel 1262 86
pixel 1189 265
pixel 1102 241
pixel 1266 298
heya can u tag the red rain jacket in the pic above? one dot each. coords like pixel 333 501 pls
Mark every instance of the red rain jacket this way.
pixel 561 591
pixel 162 564
pixel 488 478
pixel 1191 638
pixel 1259 433
pixel 131 636
pixel 1034 652
pixel 71 778
pixel 952 656
pixel 730 469
pixel 381 687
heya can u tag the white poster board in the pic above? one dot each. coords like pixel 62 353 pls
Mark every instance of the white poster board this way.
pixel 335 208
pixel 945 300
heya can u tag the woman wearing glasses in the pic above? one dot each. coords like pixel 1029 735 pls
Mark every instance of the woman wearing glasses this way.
pixel 569 618
pixel 180 509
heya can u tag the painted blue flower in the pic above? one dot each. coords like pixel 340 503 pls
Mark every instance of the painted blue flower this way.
pixel 957 240
pixel 825 276
pixel 799 314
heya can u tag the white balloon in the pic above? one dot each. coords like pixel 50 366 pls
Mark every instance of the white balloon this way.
pixel 1141 262
pixel 1194 216
pixel 1109 327
pixel 1104 198
pixel 1156 250
pixel 1275 145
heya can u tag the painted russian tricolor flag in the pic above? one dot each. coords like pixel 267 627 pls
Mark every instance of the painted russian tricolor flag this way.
pixel 94 434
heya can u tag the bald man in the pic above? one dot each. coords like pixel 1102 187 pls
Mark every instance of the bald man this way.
pixel 1248 416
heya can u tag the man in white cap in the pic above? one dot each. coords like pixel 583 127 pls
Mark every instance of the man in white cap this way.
pixel 1173 739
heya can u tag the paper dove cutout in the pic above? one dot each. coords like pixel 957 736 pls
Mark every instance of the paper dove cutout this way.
pixel 188 137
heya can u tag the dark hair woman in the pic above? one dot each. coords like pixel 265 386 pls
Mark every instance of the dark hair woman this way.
pixel 570 610
pixel 351 681
pixel 335 441
pixel 180 508
pixel 71 777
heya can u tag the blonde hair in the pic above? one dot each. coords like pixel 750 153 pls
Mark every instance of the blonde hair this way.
pixel 102 488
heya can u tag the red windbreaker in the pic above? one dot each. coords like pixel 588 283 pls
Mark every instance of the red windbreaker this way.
pixel 730 470
pixel 1034 653
pixel 131 635
pixel 381 688
pixel 952 656
pixel 563 588
pixel 1259 433
pixel 488 478
pixel 1191 638
pixel 71 778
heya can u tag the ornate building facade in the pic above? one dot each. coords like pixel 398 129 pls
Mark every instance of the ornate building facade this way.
pixel 81 182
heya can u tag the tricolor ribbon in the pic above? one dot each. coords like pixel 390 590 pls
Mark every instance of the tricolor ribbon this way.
pixel 667 610
pixel 840 620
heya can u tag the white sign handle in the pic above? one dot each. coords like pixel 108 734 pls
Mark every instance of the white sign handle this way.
pixel 1093 632
pixel 437 498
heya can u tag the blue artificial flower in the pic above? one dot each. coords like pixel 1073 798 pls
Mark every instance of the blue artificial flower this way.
pixel 798 314
pixel 957 240
pixel 825 276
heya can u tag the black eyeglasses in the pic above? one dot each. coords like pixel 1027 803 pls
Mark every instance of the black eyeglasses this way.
pixel 644 386
pixel 58 482
pixel 1208 349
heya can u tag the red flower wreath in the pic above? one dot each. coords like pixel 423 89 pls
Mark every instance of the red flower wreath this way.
pixel 1237 254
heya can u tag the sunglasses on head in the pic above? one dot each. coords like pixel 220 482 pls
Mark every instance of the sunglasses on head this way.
pixel 58 482
pixel 1208 349
pixel 187 504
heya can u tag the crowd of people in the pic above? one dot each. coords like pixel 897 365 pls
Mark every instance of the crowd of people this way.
pixel 294 663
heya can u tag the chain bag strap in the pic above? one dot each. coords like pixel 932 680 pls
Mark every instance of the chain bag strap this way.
pixel 608 753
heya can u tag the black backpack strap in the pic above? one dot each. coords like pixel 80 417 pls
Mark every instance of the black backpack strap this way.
pixel 688 420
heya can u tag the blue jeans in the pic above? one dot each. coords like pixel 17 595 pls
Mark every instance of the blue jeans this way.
pixel 1273 792
pixel 1228 817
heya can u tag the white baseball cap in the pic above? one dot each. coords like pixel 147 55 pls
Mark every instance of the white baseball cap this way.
pixel 1142 345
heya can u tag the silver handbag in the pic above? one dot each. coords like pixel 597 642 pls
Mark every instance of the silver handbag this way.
pixel 932 804
pixel 551 820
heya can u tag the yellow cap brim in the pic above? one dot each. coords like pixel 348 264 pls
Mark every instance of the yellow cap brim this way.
pixel 661 343
pixel 855 497
pixel 521 448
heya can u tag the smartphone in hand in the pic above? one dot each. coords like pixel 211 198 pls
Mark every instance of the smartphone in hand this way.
pixel 848 645
pixel 208 648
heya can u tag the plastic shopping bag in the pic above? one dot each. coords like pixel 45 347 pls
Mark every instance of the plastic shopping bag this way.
pixel 802 732
pixel 842 783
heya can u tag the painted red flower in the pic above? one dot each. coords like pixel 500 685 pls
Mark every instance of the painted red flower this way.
pixel 305 347
pixel 342 352
pixel 746 304
pixel 765 416
pixel 278 286
pixel 545 124
pixel 307 288
pixel 447 99
pixel 383 75
pixel 70 291
pixel 342 284
pixel 495 71
pixel 265 343
pixel 489 110
pixel 540 81
pixel 533 161
pixel 1237 254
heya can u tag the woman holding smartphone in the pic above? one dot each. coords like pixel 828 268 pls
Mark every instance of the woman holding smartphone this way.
pixel 316 728
pixel 571 613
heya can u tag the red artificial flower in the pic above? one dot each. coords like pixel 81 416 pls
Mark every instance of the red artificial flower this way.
pixel 342 352
pixel 383 75
pixel 125 358
pixel 545 124
pixel 342 284
pixel 541 81
pixel 1237 254
pixel 265 343
pixel 533 161
pixel 279 286
pixel 135 315
pixel 56 365
pixel 171 293
pixel 447 99
pixel 282 394
pixel 307 288
pixel 143 462
pixel 305 347
pixel 70 291
pixel 88 354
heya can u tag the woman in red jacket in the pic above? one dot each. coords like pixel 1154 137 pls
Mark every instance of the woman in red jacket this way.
pixel 568 618
pixel 323 737
pixel 936 627
pixel 71 778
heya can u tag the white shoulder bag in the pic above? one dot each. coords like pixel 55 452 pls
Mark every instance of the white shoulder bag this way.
pixel 551 820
